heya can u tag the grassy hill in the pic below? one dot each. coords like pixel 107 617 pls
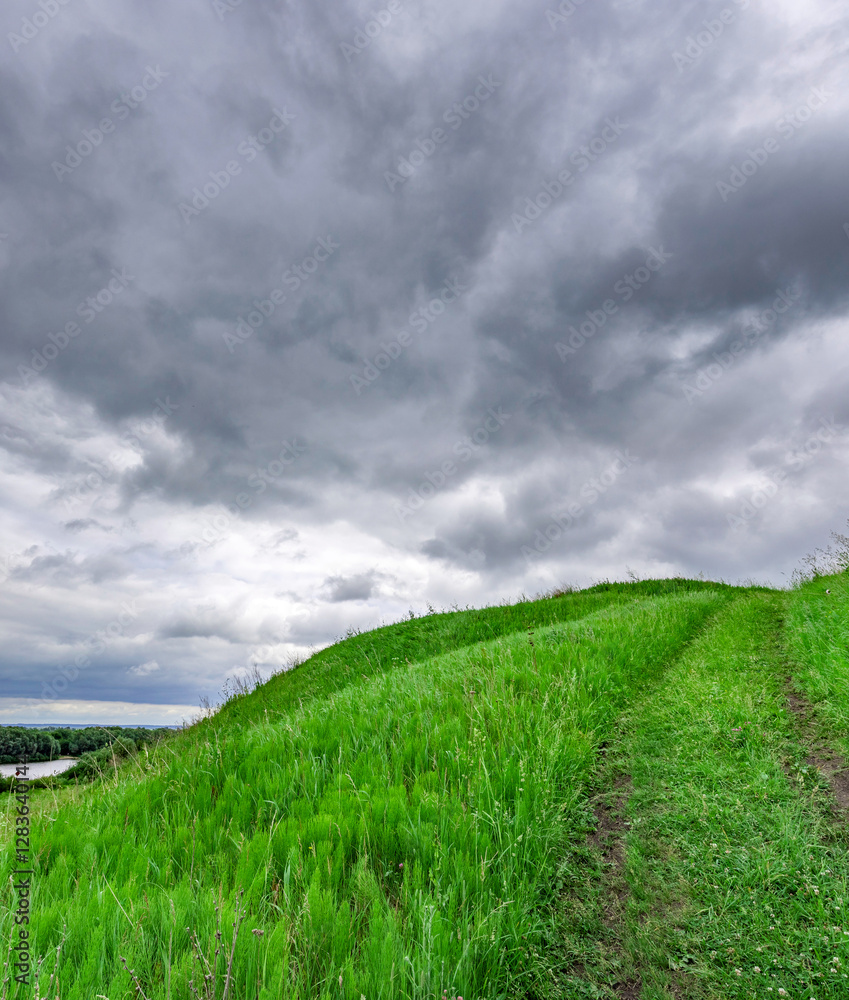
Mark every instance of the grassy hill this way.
pixel 627 791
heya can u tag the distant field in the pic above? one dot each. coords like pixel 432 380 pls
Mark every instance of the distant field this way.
pixel 629 791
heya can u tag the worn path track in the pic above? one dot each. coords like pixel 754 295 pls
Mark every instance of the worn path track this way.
pixel 827 762
pixel 724 874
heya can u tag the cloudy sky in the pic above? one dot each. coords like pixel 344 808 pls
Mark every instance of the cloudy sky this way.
pixel 313 313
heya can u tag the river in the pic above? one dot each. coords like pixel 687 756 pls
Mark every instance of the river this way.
pixel 41 768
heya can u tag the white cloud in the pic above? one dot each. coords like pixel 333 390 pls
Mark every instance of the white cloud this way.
pixel 145 669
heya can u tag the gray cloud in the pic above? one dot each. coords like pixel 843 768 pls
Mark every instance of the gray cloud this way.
pixel 352 588
pixel 84 524
pixel 260 291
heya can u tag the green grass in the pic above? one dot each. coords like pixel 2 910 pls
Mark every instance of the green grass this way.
pixel 738 879
pixel 818 642
pixel 370 653
pixel 408 813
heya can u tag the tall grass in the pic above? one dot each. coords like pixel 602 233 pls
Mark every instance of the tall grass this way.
pixel 367 654
pixel 818 644
pixel 392 838
pixel 740 880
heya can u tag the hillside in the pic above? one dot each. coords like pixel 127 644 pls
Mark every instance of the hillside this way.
pixel 633 790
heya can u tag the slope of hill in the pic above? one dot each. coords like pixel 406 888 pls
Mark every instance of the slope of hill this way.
pixel 418 639
pixel 629 791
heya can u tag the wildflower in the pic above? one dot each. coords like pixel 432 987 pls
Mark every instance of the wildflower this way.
pixel 782 992
pixel 739 972
pixel 757 968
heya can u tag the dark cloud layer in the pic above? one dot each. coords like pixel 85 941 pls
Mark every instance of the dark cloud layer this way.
pixel 312 313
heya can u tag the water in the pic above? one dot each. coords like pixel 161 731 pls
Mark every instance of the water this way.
pixel 40 769
pixel 48 727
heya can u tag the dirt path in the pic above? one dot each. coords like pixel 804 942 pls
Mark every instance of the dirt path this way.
pixel 831 765
pixel 608 839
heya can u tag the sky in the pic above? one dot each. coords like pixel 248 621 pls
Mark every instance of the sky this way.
pixel 313 315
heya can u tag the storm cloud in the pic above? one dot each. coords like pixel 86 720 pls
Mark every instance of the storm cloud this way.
pixel 315 313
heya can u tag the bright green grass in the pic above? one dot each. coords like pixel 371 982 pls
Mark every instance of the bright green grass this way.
pixel 737 879
pixel 394 838
pixel 419 639
pixel 817 638
pixel 407 813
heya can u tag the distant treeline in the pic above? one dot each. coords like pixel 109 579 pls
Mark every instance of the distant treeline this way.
pixel 48 744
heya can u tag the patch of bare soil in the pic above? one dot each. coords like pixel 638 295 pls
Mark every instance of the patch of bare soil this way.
pixel 608 838
pixel 632 990
pixel 836 771
pixel 681 986
pixel 833 768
